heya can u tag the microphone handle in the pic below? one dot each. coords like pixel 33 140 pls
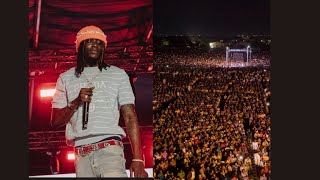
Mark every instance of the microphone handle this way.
pixel 85 115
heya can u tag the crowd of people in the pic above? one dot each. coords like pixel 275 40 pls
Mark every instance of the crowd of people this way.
pixel 210 121
pixel 212 58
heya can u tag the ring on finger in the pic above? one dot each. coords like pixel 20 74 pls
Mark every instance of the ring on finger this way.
pixel 86 96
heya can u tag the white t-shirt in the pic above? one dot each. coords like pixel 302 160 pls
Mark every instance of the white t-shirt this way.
pixel 257 160
pixel 112 89
pixel 255 145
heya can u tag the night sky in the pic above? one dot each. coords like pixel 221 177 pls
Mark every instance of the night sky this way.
pixel 211 17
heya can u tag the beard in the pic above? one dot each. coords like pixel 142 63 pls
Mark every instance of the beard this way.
pixel 92 60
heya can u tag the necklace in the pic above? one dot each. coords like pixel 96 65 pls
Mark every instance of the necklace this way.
pixel 90 84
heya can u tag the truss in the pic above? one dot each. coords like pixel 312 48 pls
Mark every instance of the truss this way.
pixel 132 59
pixel 46 140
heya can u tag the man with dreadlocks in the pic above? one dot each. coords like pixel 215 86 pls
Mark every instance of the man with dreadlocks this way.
pixel 98 146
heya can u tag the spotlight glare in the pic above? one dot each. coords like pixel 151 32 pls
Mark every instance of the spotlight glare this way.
pixel 47 92
pixel 71 156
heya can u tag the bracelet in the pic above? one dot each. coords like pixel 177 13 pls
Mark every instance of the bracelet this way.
pixel 138 160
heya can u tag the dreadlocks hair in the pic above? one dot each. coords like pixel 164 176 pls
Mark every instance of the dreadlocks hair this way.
pixel 81 61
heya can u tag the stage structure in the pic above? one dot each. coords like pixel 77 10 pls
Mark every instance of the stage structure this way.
pixel 52 143
pixel 237 53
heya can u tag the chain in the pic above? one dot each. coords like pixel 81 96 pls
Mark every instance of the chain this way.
pixel 90 82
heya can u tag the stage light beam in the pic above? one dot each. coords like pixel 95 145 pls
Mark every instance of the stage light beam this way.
pixel 71 156
pixel 47 92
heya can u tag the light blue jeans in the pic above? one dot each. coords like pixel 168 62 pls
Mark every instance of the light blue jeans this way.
pixel 106 162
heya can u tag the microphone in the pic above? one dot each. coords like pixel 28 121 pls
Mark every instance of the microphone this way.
pixel 85 115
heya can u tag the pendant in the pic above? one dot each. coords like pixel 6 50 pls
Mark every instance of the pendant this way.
pixel 90 85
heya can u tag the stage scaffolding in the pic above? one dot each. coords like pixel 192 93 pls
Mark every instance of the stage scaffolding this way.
pixel 46 140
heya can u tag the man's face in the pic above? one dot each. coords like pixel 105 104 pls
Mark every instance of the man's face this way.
pixel 93 49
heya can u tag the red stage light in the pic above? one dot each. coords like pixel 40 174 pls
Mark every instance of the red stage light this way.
pixel 47 92
pixel 71 156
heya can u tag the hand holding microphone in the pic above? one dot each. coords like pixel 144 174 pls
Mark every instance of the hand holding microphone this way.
pixel 85 96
